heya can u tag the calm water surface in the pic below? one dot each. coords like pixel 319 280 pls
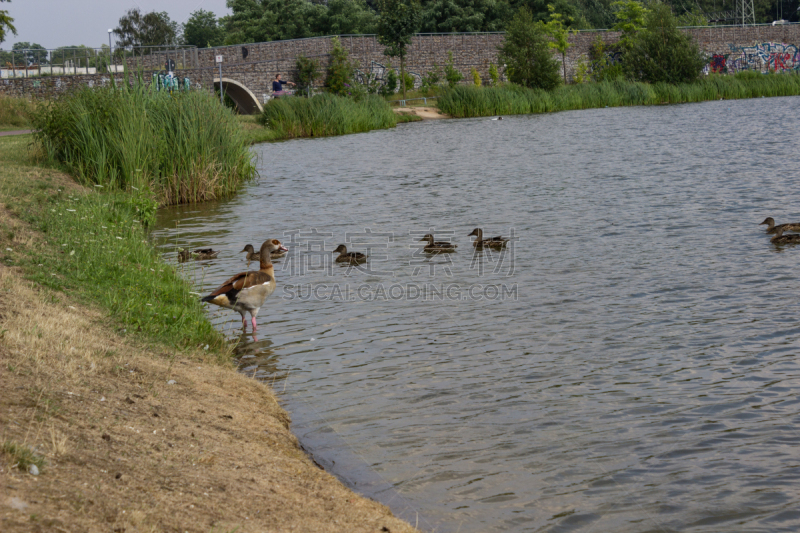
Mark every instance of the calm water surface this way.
pixel 629 365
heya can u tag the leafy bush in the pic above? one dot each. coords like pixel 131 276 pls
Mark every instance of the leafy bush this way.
pixel 661 52
pixel 476 77
pixel 306 72
pixel 451 74
pixel 327 114
pixel 340 70
pixel 181 147
pixel 390 85
pixel 494 74
pixel 431 79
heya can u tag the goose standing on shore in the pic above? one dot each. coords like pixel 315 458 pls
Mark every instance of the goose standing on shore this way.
pixel 781 239
pixel 772 228
pixel 492 242
pixel 245 292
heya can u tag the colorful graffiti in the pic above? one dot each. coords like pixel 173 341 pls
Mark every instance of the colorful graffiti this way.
pixel 763 57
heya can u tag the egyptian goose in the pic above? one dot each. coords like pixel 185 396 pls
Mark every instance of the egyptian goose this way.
pixel 352 258
pixel 252 255
pixel 772 228
pixel 493 242
pixel 246 292
pixel 437 247
pixel 780 238
pixel 199 254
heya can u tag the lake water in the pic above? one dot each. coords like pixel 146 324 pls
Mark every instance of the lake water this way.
pixel 629 364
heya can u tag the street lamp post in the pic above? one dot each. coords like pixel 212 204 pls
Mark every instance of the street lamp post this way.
pixel 110 52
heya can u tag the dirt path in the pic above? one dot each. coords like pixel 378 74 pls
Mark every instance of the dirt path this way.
pixel 14 132
pixel 428 113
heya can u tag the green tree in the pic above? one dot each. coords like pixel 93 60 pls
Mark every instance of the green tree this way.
pixel 630 20
pixel 6 23
pixel 150 29
pixel 572 11
pixel 661 52
pixel 526 53
pixel 348 17
pixel 255 21
pixel 560 35
pixel 465 15
pixel 339 77
pixel 26 53
pixel 399 20
pixel 202 30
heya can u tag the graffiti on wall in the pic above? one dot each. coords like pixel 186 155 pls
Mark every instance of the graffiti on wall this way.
pixel 376 75
pixel 763 57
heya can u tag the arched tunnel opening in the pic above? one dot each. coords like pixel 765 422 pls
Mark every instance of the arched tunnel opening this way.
pixel 246 102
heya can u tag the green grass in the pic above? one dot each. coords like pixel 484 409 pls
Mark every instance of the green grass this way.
pixel 21 456
pixel 182 147
pixel 15 113
pixel 326 114
pixel 97 251
pixel 471 101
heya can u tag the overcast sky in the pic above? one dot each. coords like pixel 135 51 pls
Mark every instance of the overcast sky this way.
pixel 54 23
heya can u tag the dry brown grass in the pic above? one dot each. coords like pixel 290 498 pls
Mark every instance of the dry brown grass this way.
pixel 126 451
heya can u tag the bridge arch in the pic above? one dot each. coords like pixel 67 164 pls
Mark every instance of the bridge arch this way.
pixel 245 100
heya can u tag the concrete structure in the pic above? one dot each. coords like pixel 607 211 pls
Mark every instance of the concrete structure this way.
pixel 248 70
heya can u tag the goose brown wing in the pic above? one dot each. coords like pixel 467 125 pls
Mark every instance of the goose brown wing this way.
pixel 239 282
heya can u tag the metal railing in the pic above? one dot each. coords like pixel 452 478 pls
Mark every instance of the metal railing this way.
pixel 66 61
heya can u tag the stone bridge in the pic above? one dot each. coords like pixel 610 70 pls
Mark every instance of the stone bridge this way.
pixel 248 70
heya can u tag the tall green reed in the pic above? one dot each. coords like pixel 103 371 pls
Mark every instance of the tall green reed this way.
pixel 182 147
pixel 471 101
pixel 326 114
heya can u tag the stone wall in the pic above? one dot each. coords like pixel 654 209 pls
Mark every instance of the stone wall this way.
pixel 729 49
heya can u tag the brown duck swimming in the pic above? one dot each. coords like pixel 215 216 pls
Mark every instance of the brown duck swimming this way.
pixel 772 228
pixel 245 292
pixel 277 250
pixel 353 258
pixel 199 254
pixel 780 239
pixel 437 247
pixel 493 242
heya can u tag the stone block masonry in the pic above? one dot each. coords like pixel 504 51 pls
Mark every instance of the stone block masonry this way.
pixel 729 49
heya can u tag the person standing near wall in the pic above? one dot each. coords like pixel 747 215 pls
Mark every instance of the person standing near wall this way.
pixel 277 86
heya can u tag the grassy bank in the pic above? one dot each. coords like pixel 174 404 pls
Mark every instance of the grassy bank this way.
pixel 470 101
pixel 181 148
pixel 95 248
pixel 325 115
pixel 110 391
pixel 15 113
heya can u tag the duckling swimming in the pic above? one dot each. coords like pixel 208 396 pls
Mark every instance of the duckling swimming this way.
pixel 437 247
pixel 493 242
pixel 353 258
pixel 772 228
pixel 198 255
pixel 780 239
